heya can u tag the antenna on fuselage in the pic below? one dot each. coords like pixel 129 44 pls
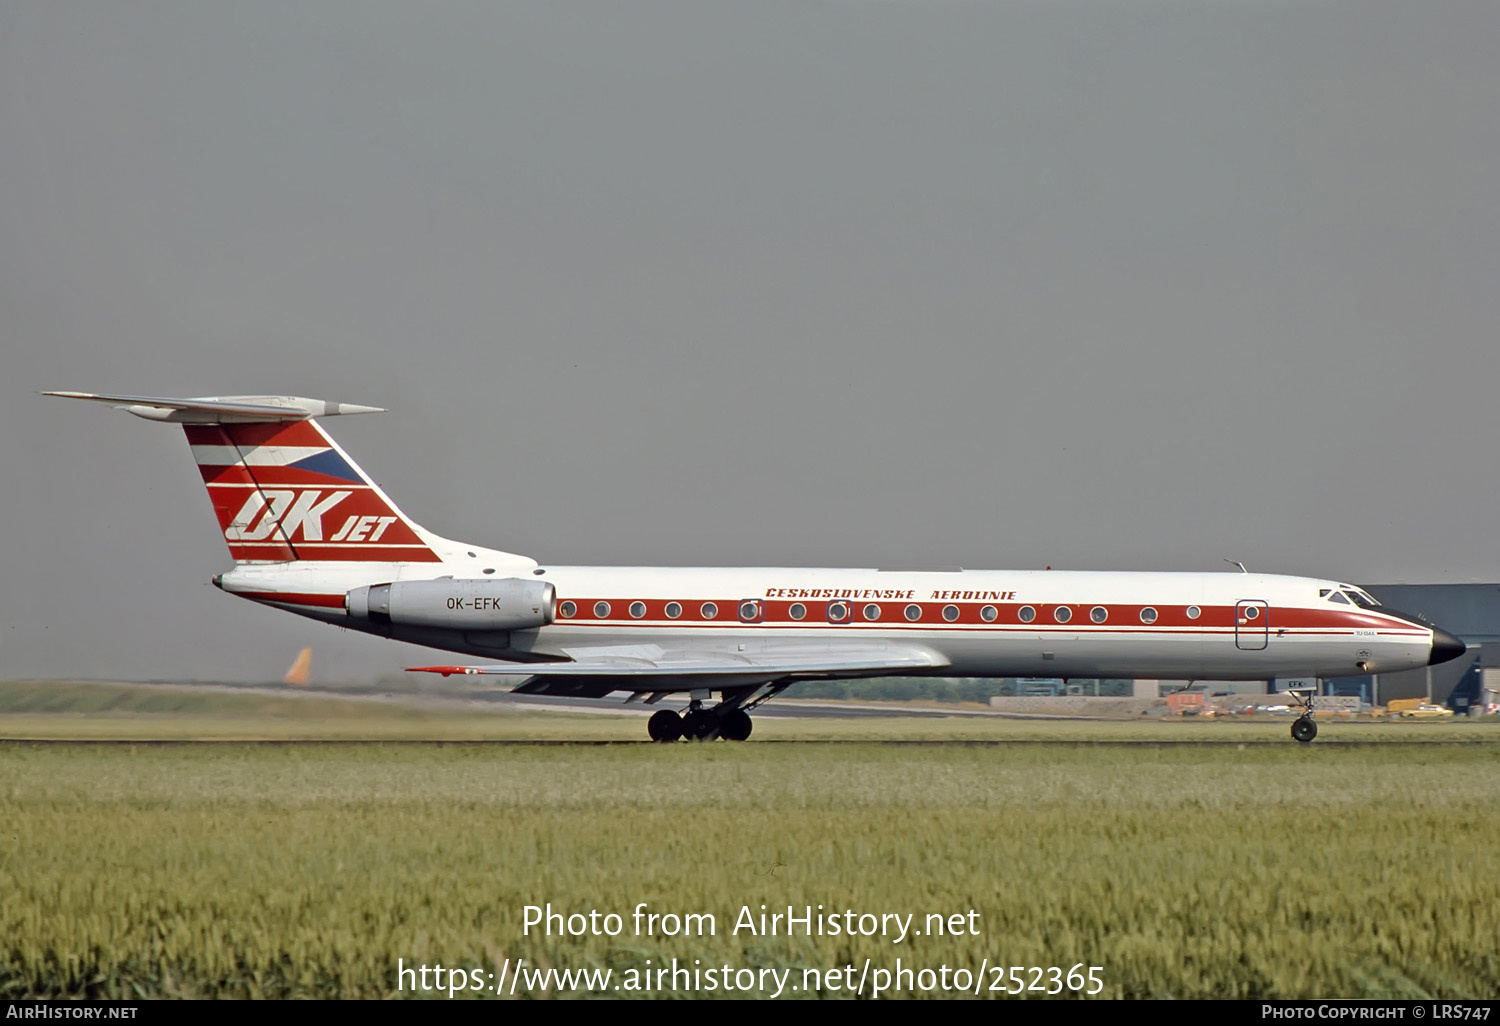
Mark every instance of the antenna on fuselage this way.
pixel 1235 562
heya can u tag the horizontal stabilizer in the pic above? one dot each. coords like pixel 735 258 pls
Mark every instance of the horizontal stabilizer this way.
pixel 284 491
pixel 227 409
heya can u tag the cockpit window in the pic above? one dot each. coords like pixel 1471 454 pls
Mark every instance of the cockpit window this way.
pixel 1348 594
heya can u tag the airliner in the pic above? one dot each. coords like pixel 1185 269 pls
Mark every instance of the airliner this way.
pixel 310 533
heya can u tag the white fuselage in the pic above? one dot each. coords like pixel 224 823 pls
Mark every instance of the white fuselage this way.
pixel 982 623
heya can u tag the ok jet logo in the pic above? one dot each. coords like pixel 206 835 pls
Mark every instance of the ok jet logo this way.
pixel 264 511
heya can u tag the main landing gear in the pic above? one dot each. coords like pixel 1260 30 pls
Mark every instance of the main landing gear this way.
pixel 730 719
pixel 699 725
pixel 1304 727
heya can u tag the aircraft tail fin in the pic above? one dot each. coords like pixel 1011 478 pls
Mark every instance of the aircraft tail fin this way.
pixel 285 491
pixel 282 489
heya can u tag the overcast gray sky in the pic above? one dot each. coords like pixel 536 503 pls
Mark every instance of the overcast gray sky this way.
pixel 1000 285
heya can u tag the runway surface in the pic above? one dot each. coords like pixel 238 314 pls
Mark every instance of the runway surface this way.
pixel 485 701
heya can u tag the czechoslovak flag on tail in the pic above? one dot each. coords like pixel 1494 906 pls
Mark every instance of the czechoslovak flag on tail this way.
pixel 286 491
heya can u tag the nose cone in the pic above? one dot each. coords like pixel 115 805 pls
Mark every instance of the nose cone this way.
pixel 1444 647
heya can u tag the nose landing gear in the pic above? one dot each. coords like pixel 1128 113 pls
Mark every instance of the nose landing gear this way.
pixel 1304 727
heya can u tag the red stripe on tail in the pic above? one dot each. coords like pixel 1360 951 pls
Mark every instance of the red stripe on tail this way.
pixel 285 492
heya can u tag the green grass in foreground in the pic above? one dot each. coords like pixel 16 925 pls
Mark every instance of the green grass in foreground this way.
pixel 1187 872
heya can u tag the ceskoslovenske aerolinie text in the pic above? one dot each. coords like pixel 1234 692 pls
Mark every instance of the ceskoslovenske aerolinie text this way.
pixel 779 921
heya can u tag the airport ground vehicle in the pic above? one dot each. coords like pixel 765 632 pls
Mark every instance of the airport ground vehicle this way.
pixel 1416 709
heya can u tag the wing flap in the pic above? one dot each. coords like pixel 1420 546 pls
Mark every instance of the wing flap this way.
pixel 678 667
pixel 572 687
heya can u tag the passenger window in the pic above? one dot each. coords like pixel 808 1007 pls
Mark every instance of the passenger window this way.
pixel 950 613
pixel 796 611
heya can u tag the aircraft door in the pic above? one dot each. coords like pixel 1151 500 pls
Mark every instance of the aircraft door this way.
pixel 1252 624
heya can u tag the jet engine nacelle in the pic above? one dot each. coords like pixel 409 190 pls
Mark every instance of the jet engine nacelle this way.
pixel 508 604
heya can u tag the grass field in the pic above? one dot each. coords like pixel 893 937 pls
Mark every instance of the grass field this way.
pixel 234 869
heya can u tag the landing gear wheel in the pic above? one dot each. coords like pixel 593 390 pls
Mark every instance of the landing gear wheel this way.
pixel 697 725
pixel 664 725
pixel 735 725
pixel 1304 729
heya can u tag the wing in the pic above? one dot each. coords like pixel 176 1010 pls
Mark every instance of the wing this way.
pixel 598 670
